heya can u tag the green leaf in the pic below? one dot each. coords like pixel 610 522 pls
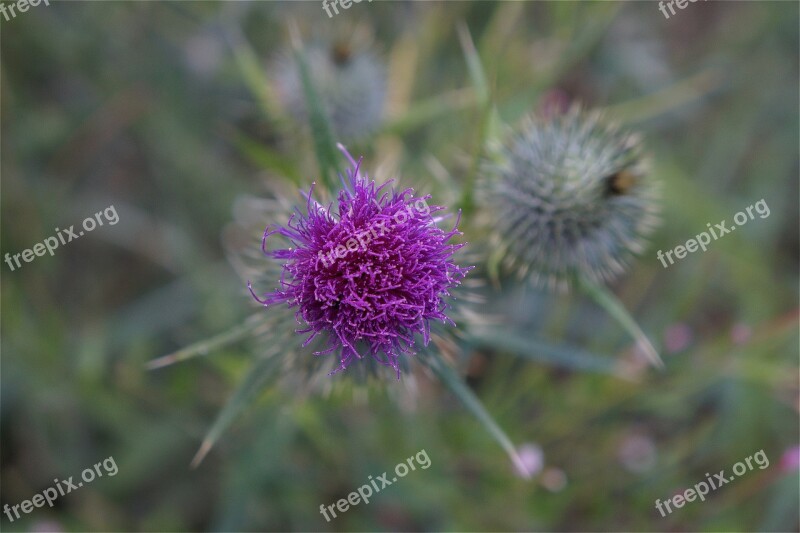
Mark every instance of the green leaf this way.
pixel 608 301
pixel 247 389
pixel 321 131
pixel 582 38
pixel 252 72
pixel 204 347
pixel 668 99
pixel 450 378
pixel 488 115
pixel 561 355
pixel 429 110
pixel 476 72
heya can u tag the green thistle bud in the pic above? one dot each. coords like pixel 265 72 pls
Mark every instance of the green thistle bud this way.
pixel 351 84
pixel 569 196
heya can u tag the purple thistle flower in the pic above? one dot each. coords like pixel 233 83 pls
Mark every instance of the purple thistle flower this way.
pixel 369 276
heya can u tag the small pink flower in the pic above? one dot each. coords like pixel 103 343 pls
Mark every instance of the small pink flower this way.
pixel 790 459
pixel 741 333
pixel 554 479
pixel 555 102
pixel 677 337
pixel 637 453
pixel 531 461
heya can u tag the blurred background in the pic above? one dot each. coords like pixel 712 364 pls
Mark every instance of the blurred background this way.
pixel 172 111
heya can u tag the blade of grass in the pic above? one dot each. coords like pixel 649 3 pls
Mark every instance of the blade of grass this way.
pixel 252 72
pixel 204 347
pixel 454 382
pixel 429 110
pixel 476 73
pixel 487 112
pixel 608 301
pixel 321 132
pixel 542 351
pixel 581 41
pixel 668 99
pixel 246 390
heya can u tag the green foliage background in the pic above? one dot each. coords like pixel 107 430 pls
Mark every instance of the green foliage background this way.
pixel 159 109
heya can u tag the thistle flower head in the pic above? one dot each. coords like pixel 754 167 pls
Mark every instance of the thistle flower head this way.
pixel 351 84
pixel 569 197
pixel 367 275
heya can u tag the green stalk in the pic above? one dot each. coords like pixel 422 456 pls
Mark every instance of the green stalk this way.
pixel 321 132
pixel 608 301
pixel 454 382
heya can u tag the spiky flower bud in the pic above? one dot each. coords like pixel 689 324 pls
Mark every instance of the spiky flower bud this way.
pixel 351 84
pixel 569 196
pixel 367 276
